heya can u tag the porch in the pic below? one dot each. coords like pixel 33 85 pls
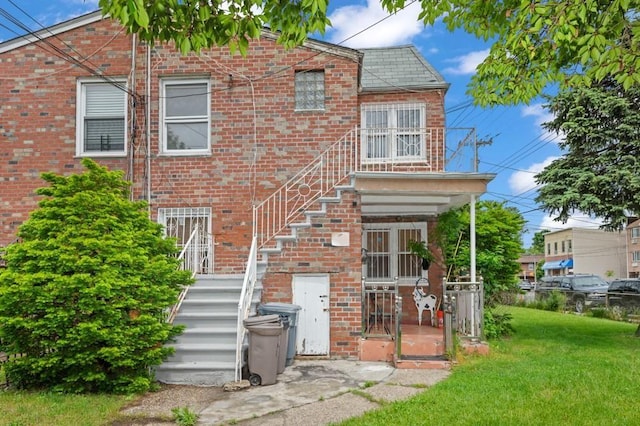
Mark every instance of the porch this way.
pixel 391 332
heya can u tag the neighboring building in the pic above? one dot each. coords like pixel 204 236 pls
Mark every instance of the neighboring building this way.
pixel 528 266
pixel 332 158
pixel 633 248
pixel 585 251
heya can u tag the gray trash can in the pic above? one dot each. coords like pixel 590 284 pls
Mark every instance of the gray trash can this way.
pixel 290 311
pixel 264 346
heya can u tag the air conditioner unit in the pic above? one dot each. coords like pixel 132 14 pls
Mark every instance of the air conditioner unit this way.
pixel 634 241
pixel 634 264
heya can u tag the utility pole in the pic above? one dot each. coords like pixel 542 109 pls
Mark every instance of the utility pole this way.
pixel 479 143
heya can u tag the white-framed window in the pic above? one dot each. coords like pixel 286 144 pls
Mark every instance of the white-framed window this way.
pixel 393 132
pixel 569 243
pixel 309 90
pixel 101 118
pixel 386 251
pixel 635 232
pixel 185 116
pixel 636 256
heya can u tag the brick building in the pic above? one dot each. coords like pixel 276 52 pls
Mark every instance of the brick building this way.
pixel 332 158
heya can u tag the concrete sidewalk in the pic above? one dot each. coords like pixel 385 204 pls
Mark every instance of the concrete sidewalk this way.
pixel 317 392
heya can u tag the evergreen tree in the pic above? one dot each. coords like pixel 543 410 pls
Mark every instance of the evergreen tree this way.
pixel 83 297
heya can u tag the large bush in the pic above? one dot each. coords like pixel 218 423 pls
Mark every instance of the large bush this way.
pixel 86 287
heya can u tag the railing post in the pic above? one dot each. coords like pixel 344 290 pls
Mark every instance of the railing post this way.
pixel 364 314
pixel 449 301
pixel 398 315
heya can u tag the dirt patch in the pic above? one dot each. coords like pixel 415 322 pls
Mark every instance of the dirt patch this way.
pixel 154 408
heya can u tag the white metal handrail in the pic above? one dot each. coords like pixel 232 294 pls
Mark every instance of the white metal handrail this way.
pixel 369 150
pixel 189 259
pixel 244 304
pixel 328 170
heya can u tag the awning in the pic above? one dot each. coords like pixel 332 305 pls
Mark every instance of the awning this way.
pixel 567 263
pixel 554 264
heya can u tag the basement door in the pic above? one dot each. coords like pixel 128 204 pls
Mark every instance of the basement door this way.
pixel 311 293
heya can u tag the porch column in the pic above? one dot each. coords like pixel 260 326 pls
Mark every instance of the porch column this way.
pixel 472 239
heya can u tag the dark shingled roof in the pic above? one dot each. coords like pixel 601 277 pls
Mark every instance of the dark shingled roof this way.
pixel 401 67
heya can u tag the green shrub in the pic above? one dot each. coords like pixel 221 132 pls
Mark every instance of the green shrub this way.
pixel 85 288
pixel 496 325
pixel 183 416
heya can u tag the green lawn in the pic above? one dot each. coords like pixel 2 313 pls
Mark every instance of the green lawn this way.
pixel 557 369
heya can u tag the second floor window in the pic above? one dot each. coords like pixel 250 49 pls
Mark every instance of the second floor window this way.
pixel 636 256
pixel 563 247
pixel 309 88
pixel 185 117
pixel 101 118
pixel 555 248
pixel 393 131
pixel 635 232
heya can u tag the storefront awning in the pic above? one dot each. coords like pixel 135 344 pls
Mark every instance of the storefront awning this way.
pixel 554 264
pixel 567 263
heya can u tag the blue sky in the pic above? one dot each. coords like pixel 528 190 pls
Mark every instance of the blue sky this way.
pixel 520 145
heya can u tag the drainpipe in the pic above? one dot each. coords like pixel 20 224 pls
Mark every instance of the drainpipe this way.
pixel 148 128
pixel 132 129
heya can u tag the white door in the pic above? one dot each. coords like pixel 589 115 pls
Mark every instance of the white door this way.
pixel 311 293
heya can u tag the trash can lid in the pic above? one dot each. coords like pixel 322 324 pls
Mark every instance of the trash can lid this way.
pixel 266 329
pixel 262 319
pixel 280 307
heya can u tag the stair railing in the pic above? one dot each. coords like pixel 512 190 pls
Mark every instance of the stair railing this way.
pixel 189 260
pixel 244 304
pixel 325 172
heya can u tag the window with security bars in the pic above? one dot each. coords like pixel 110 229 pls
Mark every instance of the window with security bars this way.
pixel 387 254
pixel 309 90
pixel 393 131
pixel 101 118
pixel 180 223
pixel 185 117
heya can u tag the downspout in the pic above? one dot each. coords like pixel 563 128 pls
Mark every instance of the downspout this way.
pixel 134 112
pixel 148 129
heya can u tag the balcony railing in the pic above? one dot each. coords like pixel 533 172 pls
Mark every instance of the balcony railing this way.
pixel 421 150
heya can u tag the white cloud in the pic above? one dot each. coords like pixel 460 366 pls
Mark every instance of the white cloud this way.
pixel 395 30
pixel 540 116
pixel 523 180
pixel 576 220
pixel 467 64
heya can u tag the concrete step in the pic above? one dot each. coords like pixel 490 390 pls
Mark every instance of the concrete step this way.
pixel 203 352
pixel 428 363
pixel 199 374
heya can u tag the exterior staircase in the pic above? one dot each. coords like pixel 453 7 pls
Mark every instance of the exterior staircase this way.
pixel 205 353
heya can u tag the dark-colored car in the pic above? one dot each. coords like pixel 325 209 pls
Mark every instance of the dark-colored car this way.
pixel 525 285
pixel 624 294
pixel 581 290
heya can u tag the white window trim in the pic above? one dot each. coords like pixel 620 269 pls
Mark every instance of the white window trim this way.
pixel 81 83
pixel 183 152
pixel 392 111
pixel 393 246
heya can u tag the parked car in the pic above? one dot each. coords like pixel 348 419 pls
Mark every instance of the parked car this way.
pixel 581 290
pixel 525 285
pixel 624 294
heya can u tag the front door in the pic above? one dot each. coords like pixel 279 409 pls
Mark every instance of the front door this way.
pixel 311 293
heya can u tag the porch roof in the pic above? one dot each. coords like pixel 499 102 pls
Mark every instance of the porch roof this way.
pixel 408 194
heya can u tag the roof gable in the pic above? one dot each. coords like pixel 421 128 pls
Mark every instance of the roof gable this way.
pixel 401 67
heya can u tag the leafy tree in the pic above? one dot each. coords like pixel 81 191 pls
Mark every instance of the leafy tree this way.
pixel 86 287
pixel 498 245
pixel 537 244
pixel 535 43
pixel 600 172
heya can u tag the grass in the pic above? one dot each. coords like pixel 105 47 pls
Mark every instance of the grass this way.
pixel 20 408
pixel 557 369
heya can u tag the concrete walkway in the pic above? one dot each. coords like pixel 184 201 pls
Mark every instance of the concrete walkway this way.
pixel 317 392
